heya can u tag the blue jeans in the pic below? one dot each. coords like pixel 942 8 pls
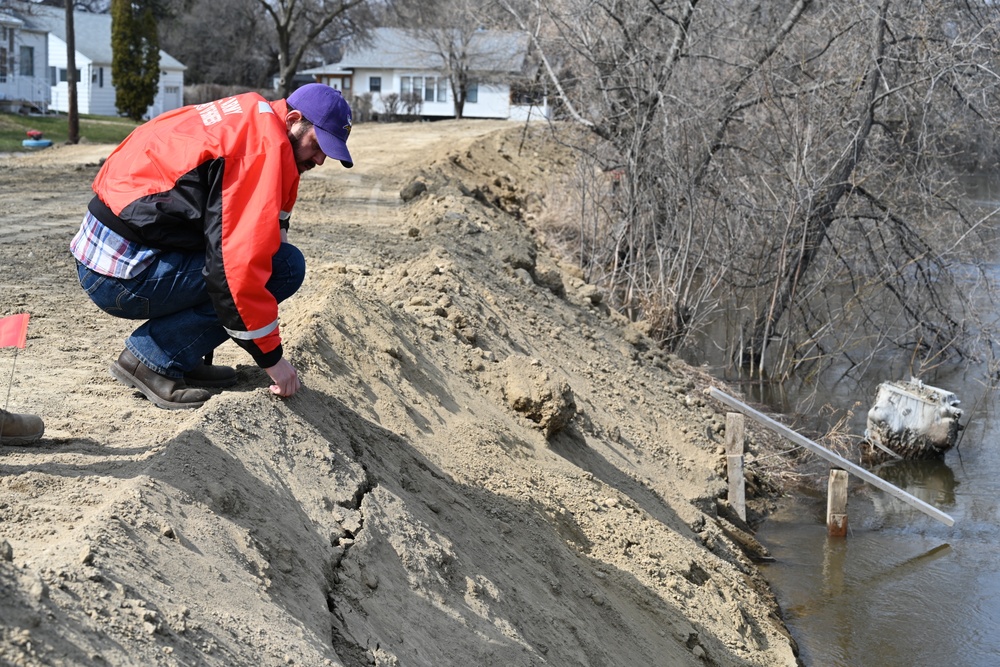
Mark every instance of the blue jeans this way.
pixel 171 294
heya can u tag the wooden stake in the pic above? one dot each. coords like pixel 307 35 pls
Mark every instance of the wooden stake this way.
pixel 735 430
pixel 737 486
pixel 833 458
pixel 836 504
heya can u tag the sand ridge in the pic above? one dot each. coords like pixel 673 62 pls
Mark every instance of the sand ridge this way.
pixel 485 466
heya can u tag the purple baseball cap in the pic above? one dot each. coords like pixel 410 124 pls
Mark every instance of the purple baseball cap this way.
pixel 330 114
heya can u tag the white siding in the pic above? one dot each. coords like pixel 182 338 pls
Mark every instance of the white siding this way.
pixel 57 61
pixel 169 95
pixel 40 81
pixel 493 100
pixel 362 85
pixel 60 91
pixel 85 100
pixel 97 99
pixel 32 88
pixel 102 90
pixel 523 112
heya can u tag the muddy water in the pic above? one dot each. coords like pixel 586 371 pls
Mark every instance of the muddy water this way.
pixel 902 590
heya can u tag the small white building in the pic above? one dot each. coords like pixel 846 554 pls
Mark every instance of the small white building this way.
pixel 408 66
pixel 95 88
pixel 23 64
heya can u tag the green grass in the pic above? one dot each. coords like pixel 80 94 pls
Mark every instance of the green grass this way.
pixel 93 129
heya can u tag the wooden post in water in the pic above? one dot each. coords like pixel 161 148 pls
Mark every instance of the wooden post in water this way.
pixel 735 430
pixel 833 458
pixel 836 504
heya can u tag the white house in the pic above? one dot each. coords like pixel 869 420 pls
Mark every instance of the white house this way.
pixel 23 64
pixel 409 65
pixel 95 88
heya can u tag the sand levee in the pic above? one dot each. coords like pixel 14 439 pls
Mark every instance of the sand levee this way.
pixel 485 465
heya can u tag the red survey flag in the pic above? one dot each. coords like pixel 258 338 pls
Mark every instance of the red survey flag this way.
pixel 14 331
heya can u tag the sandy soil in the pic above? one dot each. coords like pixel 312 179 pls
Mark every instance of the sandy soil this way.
pixel 485 466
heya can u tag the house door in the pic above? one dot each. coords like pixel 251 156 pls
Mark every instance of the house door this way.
pixel 172 98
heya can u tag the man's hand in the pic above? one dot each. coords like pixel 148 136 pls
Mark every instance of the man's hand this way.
pixel 286 379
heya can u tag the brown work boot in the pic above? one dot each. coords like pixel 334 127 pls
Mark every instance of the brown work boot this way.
pixel 18 429
pixel 207 375
pixel 165 392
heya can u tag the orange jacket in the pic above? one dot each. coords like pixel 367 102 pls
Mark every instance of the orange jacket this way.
pixel 218 178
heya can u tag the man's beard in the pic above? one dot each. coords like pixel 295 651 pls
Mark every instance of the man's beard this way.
pixel 303 165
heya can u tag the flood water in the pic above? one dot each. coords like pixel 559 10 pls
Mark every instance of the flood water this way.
pixel 902 589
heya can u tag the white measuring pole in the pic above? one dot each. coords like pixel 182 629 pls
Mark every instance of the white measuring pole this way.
pixel 836 459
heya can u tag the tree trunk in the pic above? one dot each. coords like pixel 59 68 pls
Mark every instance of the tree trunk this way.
pixel 820 217
pixel 73 113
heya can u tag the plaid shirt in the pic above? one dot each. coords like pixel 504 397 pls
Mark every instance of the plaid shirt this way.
pixel 104 251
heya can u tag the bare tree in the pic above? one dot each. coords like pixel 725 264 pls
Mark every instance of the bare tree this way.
pixel 235 42
pixel 390 104
pixel 411 102
pixel 781 168
pixel 298 24
pixel 224 42
pixel 464 39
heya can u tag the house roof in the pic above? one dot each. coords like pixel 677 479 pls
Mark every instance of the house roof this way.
pixel 10 21
pixel 93 33
pixel 332 68
pixel 394 48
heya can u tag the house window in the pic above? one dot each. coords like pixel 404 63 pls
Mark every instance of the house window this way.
pixel 472 93
pixel 6 53
pixel 347 85
pixel 53 76
pixel 375 84
pixel 442 91
pixel 63 77
pixel 27 61
pixel 429 89
pixel 418 86
pixel 405 85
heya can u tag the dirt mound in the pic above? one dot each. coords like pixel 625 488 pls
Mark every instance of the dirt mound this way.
pixel 485 466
